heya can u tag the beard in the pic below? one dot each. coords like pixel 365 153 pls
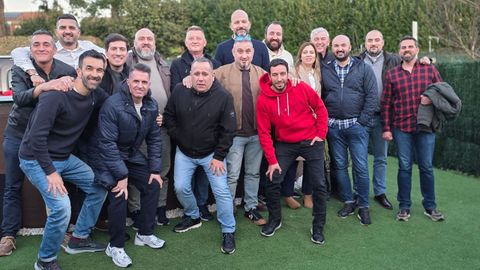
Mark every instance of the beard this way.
pixel 275 47
pixel 374 54
pixel 407 58
pixel 91 86
pixel 343 58
pixel 146 53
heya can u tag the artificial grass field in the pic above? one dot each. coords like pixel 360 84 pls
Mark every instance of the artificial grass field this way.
pixel 386 244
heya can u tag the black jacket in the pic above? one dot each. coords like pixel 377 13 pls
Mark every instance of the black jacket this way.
pixel 390 60
pixel 109 82
pixel 120 135
pixel 358 96
pixel 23 99
pixel 201 123
pixel 180 68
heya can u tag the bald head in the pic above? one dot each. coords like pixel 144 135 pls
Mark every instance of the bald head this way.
pixel 144 43
pixel 341 47
pixel 374 42
pixel 239 23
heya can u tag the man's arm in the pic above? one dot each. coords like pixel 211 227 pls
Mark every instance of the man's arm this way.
pixel 386 104
pixel 91 46
pixel 264 132
pixel 370 89
pixel 320 111
pixel 170 114
pixel 219 54
pixel 108 127
pixel 226 128
pixel 175 75
pixel 21 58
pixel 154 148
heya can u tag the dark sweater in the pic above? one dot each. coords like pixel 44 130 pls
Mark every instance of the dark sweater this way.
pixel 55 126
pixel 201 123
pixel 223 53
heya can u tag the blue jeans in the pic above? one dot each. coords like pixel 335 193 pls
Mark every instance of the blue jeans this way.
pixel 184 169
pixel 354 139
pixel 12 198
pixel 250 147
pixel 422 145
pixel 58 208
pixel 380 151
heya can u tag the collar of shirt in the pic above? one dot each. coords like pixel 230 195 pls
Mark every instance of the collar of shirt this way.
pixel 374 59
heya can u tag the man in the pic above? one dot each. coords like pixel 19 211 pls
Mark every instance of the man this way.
pixel 350 95
pixel 274 42
pixel 57 76
pixel 299 122
pixel 380 61
pixel 116 51
pixel 240 79
pixel 402 95
pixel 69 48
pixel 321 39
pixel 240 26
pixel 202 122
pixel 144 52
pixel 45 157
pixel 126 120
pixel 180 69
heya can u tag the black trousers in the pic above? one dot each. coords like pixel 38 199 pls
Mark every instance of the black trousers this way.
pixel 117 208
pixel 286 155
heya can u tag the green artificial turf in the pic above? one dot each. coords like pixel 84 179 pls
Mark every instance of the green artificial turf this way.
pixel 386 244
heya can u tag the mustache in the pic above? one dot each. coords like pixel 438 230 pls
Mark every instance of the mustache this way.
pixel 95 78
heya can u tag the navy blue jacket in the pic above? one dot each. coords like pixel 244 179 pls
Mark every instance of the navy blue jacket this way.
pixel 223 53
pixel 120 135
pixel 358 96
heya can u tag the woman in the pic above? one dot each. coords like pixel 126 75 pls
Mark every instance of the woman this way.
pixel 307 68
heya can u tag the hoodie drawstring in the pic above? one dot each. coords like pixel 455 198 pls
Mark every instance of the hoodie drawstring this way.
pixel 278 106
pixel 288 106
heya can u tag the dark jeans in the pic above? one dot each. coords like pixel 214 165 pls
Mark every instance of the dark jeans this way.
pixel 286 155
pixel 288 184
pixel 117 208
pixel 12 198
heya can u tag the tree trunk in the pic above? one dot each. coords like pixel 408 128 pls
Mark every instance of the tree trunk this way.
pixel 3 31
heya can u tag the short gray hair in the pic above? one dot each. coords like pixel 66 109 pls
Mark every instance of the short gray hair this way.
pixel 317 31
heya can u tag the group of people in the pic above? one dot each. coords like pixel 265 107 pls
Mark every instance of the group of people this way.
pixel 107 119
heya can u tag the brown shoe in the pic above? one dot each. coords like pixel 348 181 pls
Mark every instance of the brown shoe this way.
pixel 307 201
pixel 7 244
pixel 292 203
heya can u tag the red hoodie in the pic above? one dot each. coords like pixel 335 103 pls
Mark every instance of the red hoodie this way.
pixel 289 114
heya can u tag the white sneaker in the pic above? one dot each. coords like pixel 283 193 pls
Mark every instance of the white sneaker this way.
pixel 149 240
pixel 118 255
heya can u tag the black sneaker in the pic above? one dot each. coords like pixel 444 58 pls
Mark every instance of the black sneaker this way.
pixel 270 228
pixel 162 219
pixel 53 265
pixel 78 245
pixel 255 217
pixel 403 214
pixel 228 245
pixel 205 214
pixel 317 236
pixel 364 216
pixel 348 209
pixel 187 224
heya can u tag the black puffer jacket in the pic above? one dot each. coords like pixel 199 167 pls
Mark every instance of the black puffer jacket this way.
pixel 120 135
pixel 358 96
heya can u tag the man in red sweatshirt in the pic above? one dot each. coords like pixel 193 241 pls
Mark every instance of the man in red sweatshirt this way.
pixel 297 118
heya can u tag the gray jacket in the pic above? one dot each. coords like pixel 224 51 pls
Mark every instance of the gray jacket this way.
pixel 446 105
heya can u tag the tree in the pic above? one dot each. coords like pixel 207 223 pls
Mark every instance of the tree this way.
pixel 94 6
pixel 3 29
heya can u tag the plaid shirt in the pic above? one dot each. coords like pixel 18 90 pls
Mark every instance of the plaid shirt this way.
pixel 401 95
pixel 343 71
pixel 341 123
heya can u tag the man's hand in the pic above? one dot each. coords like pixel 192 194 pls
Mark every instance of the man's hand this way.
pixel 294 80
pixel 36 80
pixel 425 100
pixel 156 177
pixel 55 184
pixel 387 136
pixel 217 167
pixel 272 169
pixel 159 120
pixel 425 60
pixel 61 84
pixel 121 188
pixel 187 81
pixel 316 139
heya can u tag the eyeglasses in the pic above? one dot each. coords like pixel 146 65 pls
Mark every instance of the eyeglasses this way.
pixel 243 38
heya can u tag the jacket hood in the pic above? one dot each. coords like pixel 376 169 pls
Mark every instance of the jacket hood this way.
pixel 266 90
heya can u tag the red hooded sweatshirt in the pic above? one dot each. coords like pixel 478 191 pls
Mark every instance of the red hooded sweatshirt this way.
pixel 289 114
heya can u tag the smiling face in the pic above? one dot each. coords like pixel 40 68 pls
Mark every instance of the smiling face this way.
pixel 202 76
pixel 308 55
pixel 341 47
pixel 144 43
pixel 91 72
pixel 408 50
pixel 321 42
pixel 138 83
pixel 42 49
pixel 374 43
pixel 239 23
pixel 243 53
pixel 195 41
pixel 67 32
pixel 274 37
pixel 117 53
pixel 279 76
